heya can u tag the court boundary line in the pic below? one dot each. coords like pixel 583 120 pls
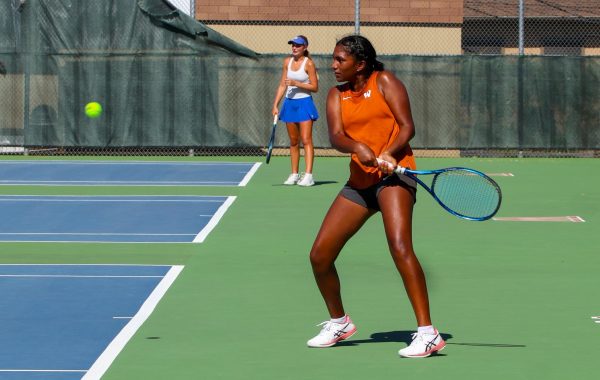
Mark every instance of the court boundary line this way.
pixel 111 198
pixel 44 370
pixel 113 349
pixel 569 218
pixel 198 238
pixel 212 223
pixel 243 182
pixel 250 174
pixel 99 162
pixel 119 183
pixel 72 276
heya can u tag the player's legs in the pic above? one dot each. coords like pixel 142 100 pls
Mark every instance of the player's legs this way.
pixel 396 204
pixel 294 134
pixel 307 143
pixel 342 221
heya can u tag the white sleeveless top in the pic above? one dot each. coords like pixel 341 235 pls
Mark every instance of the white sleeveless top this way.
pixel 301 76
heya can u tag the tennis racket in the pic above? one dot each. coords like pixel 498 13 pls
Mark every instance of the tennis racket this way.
pixel 272 139
pixel 463 192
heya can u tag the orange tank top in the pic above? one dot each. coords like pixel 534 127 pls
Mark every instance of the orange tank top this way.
pixel 367 118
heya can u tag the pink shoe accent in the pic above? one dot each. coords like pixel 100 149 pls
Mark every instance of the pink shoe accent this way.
pixel 341 337
pixel 440 346
pixel 347 335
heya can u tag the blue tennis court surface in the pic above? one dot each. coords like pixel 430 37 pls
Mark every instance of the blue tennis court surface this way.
pixel 126 173
pixel 131 219
pixel 71 321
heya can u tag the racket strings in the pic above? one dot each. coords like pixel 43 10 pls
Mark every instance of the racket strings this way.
pixel 467 193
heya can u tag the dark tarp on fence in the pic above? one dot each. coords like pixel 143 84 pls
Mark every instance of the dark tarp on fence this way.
pixel 166 80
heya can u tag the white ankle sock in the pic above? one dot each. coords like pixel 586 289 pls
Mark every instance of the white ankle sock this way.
pixel 426 330
pixel 338 320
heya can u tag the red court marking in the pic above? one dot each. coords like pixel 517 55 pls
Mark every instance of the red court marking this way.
pixel 573 219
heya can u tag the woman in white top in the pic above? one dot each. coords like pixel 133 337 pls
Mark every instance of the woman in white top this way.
pixel 298 81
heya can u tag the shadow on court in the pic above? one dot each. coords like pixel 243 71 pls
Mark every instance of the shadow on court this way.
pixel 406 337
pixel 387 337
pixel 317 183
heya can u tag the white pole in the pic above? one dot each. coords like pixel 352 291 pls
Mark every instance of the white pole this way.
pixel 356 16
pixel 521 27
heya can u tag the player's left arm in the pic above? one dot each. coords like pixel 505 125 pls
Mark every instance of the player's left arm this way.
pixel 397 99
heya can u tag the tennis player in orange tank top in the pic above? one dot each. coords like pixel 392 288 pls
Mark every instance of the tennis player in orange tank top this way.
pixel 369 117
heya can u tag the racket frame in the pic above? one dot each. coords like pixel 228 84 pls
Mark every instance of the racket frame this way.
pixel 415 173
pixel 272 138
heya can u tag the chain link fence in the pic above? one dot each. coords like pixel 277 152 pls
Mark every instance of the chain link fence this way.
pixel 513 78
pixel 187 6
pixel 532 27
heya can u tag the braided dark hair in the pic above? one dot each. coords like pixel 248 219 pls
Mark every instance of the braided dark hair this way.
pixel 362 49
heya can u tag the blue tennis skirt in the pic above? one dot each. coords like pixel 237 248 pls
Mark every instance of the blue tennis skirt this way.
pixel 297 110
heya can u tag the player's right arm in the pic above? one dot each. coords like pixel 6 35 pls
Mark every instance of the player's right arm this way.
pixel 338 138
pixel 281 88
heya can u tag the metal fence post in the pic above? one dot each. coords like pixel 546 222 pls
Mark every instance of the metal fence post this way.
pixel 521 27
pixel 356 16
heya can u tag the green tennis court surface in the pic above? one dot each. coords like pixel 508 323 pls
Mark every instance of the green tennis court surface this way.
pixel 515 300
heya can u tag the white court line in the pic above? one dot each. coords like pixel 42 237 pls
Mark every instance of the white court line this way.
pixel 249 175
pixel 43 370
pixel 212 223
pixel 71 276
pixel 132 183
pixel 197 238
pixel 129 183
pixel 500 174
pixel 114 348
pixel 42 199
pixel 82 265
pixel 105 162
pixel 156 197
pixel 573 219
pixel 92 233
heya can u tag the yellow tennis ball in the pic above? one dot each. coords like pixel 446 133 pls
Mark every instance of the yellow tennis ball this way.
pixel 93 110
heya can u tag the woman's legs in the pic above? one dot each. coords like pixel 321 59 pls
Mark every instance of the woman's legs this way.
pixel 294 133
pixel 342 221
pixel 396 204
pixel 307 143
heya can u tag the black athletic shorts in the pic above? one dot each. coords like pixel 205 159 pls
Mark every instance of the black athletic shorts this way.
pixel 368 197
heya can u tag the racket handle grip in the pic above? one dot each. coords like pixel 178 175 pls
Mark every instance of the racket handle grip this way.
pixel 275 118
pixel 398 170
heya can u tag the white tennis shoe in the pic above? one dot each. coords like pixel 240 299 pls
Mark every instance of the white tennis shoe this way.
pixel 423 345
pixel 292 179
pixel 332 332
pixel 307 180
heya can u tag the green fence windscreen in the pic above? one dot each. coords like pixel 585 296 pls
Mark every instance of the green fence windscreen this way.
pixel 165 80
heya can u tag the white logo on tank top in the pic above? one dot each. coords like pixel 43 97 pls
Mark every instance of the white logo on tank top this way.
pixel 367 94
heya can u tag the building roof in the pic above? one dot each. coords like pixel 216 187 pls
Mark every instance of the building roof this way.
pixel 533 8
